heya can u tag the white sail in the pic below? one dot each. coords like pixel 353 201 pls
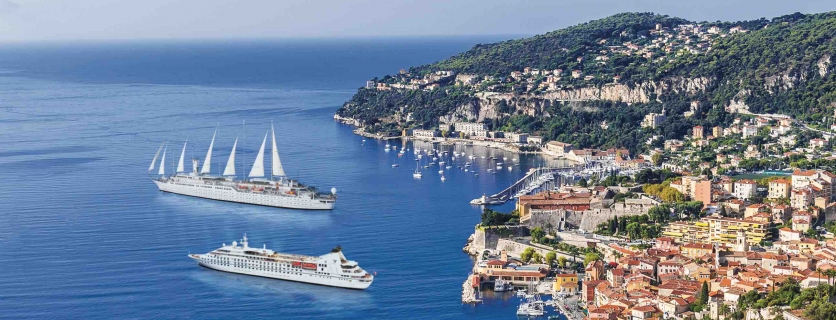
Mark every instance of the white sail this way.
pixel 277 163
pixel 180 166
pixel 156 155
pixel 207 163
pixel 258 165
pixel 162 162
pixel 230 164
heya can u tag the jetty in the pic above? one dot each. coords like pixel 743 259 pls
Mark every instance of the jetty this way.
pixel 469 291
pixel 537 179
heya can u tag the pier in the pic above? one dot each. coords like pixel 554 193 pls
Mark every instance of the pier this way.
pixel 538 179
pixel 469 291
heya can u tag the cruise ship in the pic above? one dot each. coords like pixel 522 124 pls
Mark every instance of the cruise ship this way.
pixel 331 269
pixel 274 191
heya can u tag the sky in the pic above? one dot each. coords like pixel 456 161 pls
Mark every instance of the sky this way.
pixel 93 20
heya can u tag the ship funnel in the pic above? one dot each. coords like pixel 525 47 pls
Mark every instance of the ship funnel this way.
pixel 194 165
pixel 333 190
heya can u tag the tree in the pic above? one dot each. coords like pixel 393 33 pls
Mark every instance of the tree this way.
pixel 536 258
pixel 561 261
pixel 537 234
pixel 550 257
pixel 703 294
pixel 582 182
pixel 633 230
pixel 590 257
pixel 657 159
pixel 527 254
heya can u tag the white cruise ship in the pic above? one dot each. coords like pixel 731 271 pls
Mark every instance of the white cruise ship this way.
pixel 331 269
pixel 275 191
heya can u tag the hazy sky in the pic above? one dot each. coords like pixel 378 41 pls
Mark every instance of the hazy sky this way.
pixel 39 20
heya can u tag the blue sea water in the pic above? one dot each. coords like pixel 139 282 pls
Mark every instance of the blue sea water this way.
pixel 87 235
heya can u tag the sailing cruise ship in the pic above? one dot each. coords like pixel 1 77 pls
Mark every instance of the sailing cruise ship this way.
pixel 331 269
pixel 258 190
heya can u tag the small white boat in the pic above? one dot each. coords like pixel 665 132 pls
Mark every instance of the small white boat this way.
pixel 416 175
pixel 395 165
pixel 435 159
pixel 443 178
pixel 465 170
pixel 441 162
pixel 448 167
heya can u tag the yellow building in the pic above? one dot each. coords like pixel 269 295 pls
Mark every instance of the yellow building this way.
pixel 717 230
pixel 696 250
pixel 568 279
pixel 687 232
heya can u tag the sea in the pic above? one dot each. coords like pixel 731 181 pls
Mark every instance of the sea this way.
pixel 87 235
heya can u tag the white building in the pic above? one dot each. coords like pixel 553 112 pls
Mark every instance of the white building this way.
pixel 745 189
pixel 472 129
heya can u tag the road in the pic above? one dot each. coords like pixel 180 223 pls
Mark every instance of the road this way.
pixel 573 313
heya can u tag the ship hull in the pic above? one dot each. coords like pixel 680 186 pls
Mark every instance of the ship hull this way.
pixel 310 278
pixel 223 193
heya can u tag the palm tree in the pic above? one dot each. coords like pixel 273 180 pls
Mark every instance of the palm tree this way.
pixel 724 308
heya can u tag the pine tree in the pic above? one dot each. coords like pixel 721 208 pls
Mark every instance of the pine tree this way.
pixel 704 294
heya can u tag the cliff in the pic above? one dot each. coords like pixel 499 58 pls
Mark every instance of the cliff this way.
pixel 592 84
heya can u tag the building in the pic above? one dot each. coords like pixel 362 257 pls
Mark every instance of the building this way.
pixel 749 131
pixel 472 128
pixel 698 133
pixel 567 283
pixel 370 84
pixel 535 140
pixel 801 198
pixel 420 133
pixel 801 221
pixel 516 137
pixel 701 191
pixel 779 189
pixel 652 120
pixel 819 179
pixel 558 147
pixel 551 201
pixel 719 230
pixel 696 250
pixel 817 143
pixel 745 189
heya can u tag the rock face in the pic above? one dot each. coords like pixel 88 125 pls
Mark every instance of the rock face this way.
pixel 824 65
pixel 489 103
pixel 488 238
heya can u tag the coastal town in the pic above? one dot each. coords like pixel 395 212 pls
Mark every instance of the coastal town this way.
pixel 685 237
pixel 670 201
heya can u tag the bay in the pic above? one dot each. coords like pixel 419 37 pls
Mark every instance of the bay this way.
pixel 88 236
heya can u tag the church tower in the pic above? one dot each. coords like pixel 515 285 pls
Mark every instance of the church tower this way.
pixel 741 243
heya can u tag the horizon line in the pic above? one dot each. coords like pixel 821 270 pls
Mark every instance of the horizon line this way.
pixel 509 36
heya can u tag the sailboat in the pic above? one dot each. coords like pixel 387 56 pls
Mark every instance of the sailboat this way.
pixel 417 173
pixel 275 190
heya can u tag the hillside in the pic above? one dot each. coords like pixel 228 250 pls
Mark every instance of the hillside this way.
pixel 593 83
